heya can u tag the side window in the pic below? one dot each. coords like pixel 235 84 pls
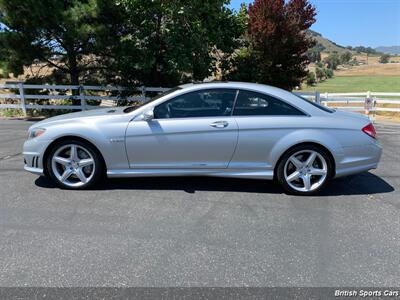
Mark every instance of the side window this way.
pixel 204 103
pixel 256 104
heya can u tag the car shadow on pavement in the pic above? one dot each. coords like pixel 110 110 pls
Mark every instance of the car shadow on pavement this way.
pixel 360 184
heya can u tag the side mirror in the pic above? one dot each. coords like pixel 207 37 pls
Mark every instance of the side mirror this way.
pixel 148 115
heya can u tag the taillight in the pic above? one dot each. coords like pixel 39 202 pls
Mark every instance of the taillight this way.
pixel 370 130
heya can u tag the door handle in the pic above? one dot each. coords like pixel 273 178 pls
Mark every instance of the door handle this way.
pixel 219 124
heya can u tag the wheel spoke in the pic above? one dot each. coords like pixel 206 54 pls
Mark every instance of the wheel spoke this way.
pixel 297 163
pixel 311 159
pixel 307 182
pixel 81 175
pixel 61 160
pixel 86 162
pixel 74 152
pixel 295 175
pixel 67 173
pixel 320 172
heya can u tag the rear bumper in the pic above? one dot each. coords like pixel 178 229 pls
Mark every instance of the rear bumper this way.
pixel 357 159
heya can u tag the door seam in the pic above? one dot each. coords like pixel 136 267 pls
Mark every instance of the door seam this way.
pixel 237 142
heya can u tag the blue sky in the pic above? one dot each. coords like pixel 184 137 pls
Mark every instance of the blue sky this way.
pixel 355 22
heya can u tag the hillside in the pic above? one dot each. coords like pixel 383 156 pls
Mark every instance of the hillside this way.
pixel 394 50
pixel 328 45
pixel 364 73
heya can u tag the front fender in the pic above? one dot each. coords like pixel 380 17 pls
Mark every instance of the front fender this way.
pixel 107 137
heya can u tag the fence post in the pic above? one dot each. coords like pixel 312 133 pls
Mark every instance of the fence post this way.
pixel 143 88
pixel 326 99
pixel 367 104
pixel 82 97
pixel 22 97
pixel 317 97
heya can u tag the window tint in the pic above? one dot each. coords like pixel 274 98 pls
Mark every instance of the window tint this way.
pixel 256 104
pixel 204 103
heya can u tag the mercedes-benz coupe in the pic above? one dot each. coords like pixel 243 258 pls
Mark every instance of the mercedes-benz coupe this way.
pixel 227 129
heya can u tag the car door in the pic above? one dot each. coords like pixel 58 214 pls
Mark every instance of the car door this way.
pixel 262 120
pixel 193 130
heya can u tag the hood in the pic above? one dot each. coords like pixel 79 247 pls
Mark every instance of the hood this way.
pixel 71 117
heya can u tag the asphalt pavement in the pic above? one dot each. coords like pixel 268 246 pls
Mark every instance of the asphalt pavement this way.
pixel 198 231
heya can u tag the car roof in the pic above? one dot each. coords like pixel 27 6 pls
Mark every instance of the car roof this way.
pixel 226 84
pixel 257 87
pixel 236 85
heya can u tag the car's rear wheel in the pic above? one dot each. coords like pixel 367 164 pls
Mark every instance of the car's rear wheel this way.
pixel 74 164
pixel 304 170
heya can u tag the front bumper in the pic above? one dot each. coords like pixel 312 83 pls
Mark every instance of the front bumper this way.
pixel 33 152
pixel 36 171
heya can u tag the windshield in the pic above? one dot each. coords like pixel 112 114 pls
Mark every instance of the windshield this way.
pixel 321 107
pixel 134 107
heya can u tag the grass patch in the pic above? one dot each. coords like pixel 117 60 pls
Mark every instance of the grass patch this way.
pixel 11 112
pixel 343 84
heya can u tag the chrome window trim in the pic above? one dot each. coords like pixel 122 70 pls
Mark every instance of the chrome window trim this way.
pixel 186 118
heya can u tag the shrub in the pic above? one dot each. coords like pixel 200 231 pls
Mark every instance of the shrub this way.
pixel 320 73
pixel 384 59
pixel 329 73
pixel 310 79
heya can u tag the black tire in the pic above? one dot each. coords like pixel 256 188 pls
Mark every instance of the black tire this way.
pixel 280 170
pixel 99 167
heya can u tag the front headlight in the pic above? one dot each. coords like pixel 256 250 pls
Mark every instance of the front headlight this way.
pixel 36 132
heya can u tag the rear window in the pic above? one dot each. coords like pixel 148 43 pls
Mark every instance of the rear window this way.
pixel 321 107
pixel 255 104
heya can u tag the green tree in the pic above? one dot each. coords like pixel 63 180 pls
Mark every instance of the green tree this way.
pixel 384 59
pixel 367 50
pixel 345 57
pixel 70 37
pixel 3 54
pixel 243 17
pixel 314 55
pixel 332 61
pixel 169 42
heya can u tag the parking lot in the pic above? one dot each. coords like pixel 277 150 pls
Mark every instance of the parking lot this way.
pixel 198 231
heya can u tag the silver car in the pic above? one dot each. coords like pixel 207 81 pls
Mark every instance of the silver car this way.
pixel 228 129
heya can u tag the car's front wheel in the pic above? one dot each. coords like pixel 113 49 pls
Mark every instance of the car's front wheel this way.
pixel 74 164
pixel 304 170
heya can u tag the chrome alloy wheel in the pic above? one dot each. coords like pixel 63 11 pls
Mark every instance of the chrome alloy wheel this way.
pixel 305 170
pixel 73 165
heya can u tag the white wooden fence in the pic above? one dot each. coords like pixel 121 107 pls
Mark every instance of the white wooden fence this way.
pixel 351 101
pixel 359 101
pixel 67 92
